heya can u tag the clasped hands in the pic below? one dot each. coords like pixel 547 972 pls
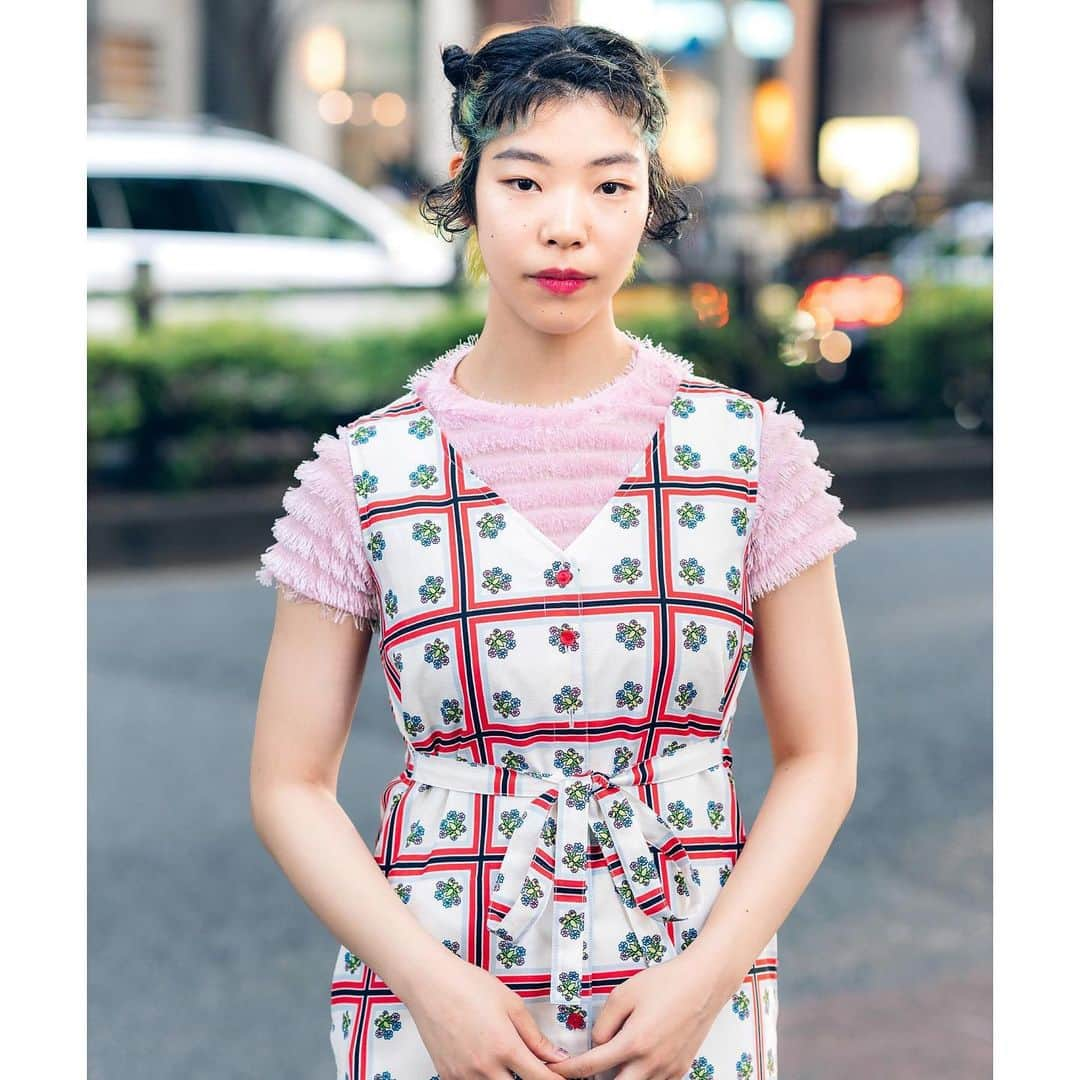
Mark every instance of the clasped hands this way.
pixel 653 1025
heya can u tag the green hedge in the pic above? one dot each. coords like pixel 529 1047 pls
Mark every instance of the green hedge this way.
pixel 235 403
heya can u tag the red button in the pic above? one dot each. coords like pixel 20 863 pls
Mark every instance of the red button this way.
pixel 567 637
pixel 563 576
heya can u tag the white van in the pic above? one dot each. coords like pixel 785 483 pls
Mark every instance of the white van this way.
pixel 219 212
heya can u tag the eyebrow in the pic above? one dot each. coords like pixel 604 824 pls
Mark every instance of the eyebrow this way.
pixel 623 157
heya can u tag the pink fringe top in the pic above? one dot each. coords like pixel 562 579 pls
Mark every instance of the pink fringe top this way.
pixel 558 465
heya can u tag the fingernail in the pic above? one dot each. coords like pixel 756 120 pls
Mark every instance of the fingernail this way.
pixel 562 1052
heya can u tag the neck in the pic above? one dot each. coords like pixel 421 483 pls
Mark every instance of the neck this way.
pixel 517 364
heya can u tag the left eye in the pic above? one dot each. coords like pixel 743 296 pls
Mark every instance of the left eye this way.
pixel 605 184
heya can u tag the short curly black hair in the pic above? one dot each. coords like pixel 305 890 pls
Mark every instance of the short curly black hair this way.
pixel 500 85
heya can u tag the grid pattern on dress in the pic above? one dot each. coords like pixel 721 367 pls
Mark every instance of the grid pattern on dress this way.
pixel 505 652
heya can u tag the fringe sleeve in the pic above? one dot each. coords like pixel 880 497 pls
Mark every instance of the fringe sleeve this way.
pixel 798 521
pixel 318 554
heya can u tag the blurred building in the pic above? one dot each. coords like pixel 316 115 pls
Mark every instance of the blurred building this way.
pixel 769 97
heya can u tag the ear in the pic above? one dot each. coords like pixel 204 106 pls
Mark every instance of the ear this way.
pixel 456 161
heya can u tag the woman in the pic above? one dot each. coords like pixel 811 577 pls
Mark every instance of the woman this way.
pixel 572 546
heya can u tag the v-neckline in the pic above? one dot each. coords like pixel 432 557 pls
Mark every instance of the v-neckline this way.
pixel 564 554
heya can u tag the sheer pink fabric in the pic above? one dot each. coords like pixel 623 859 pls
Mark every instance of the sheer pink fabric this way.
pixel 558 465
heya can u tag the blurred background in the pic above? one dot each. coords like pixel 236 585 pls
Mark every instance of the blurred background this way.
pixel 258 272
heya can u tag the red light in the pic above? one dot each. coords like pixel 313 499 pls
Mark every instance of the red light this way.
pixel 857 299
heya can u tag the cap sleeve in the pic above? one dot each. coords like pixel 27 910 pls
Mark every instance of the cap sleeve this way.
pixel 318 554
pixel 797 519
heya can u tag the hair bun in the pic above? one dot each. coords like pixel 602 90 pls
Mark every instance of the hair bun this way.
pixel 456 64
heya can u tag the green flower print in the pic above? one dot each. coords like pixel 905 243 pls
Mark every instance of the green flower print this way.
pixel 510 821
pixel 572 924
pixel 404 892
pixel 679 815
pixel 499 643
pixel 513 760
pixel 365 483
pixel 694 636
pixel 622 756
pixel 621 814
pixel 683 407
pixel 568 761
pixel 416 834
pixel 687 457
pixel 433 589
pixel 505 704
pixel 376 545
pixel 362 434
pixel 627 570
pixel 422 476
pixel 490 525
pixel 449 892
pixel 744 1067
pixel 642 870
pixel 346 1023
pixel 532 892
pixel 629 696
pixel 574 857
pixel 453 826
pixel 716 814
pixel 413 724
pixel 568 699
pixel 740 408
pixel 352 963
pixel 732 643
pixel 688 938
pixel 653 947
pixel 390 602
pixel 626 516
pixel 747 648
pixel 451 711
pixel 686 695
pixel 547 833
pixel 511 955
pixel 601 834
pixel 630 948
pixel 690 515
pixel 770 1059
pixel 577 795
pixel 626 894
pixel 570 984
pixel 673 747
pixel 691 571
pixel 740 519
pixel 386 1024
pixel 426 532
pixel 700 1069
pixel 421 427
pixel 725 873
pixel 453 946
pixel 437 653
pixel 572 1017
pixel 630 635
pixel 496 579
pixel 743 458
pixel 396 658
pixel 733 577
pixel 740 1004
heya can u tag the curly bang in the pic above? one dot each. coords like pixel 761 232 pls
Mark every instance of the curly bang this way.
pixel 502 84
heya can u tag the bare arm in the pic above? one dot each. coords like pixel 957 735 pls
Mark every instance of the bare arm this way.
pixel 803 676
pixel 310 686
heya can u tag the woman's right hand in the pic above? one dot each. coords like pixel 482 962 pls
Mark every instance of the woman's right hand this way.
pixel 476 1028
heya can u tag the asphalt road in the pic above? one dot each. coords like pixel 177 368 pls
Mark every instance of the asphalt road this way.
pixel 203 962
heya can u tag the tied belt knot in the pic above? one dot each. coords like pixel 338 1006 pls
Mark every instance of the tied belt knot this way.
pixel 546 858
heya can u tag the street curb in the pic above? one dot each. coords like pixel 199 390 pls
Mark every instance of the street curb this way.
pixel 151 530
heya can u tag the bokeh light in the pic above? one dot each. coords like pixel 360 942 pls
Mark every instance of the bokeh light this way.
pixel 335 106
pixel 322 52
pixel 710 303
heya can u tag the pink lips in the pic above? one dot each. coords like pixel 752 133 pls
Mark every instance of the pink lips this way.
pixel 561 285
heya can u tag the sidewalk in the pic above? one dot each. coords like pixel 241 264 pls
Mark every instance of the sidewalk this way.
pixel 875 467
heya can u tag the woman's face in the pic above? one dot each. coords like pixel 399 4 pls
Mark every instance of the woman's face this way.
pixel 569 191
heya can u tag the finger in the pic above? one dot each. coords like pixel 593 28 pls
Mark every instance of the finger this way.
pixel 611 1017
pixel 531 1035
pixel 618 1051
pixel 525 1067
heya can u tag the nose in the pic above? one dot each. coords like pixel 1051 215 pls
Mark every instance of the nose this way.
pixel 565 225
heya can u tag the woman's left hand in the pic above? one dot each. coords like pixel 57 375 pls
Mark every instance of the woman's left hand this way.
pixel 654 1023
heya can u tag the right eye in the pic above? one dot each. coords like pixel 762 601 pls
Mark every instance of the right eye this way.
pixel 520 180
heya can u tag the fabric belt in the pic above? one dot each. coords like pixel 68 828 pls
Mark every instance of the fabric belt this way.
pixel 548 843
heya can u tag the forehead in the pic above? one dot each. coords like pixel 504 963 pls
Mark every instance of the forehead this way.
pixel 551 135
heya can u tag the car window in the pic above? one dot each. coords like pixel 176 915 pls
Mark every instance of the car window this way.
pixel 93 217
pixel 172 204
pixel 267 209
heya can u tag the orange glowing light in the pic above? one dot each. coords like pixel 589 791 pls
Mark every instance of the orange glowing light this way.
pixel 856 299
pixel 773 118
pixel 710 303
